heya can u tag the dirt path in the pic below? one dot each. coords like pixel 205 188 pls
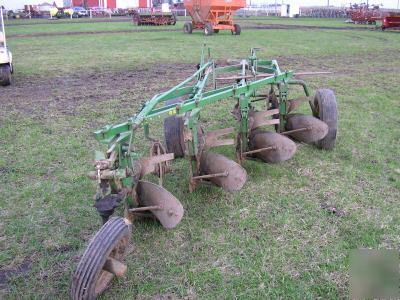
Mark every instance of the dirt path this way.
pixel 73 21
pixel 48 97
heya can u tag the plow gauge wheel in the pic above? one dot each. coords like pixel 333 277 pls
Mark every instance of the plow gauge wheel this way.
pixel 325 107
pixel 101 260
pixel 173 132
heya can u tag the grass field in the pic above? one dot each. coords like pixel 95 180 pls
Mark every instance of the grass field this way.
pixel 273 239
pixel 22 27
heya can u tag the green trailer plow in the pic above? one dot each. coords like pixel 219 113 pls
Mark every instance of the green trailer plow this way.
pixel 260 93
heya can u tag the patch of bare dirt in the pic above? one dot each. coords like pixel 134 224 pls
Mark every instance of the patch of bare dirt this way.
pixel 49 34
pixel 47 97
pixel 69 21
pixel 333 210
pixel 7 273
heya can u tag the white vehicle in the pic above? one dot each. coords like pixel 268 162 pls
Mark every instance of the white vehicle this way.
pixel 6 67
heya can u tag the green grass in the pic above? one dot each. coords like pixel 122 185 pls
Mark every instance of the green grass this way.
pixel 303 21
pixel 22 26
pixel 127 50
pixel 271 240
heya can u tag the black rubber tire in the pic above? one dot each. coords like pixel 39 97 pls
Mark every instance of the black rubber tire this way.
pixel 173 132
pixel 188 28
pixel 89 270
pixel 208 29
pixel 173 22
pixel 237 29
pixel 5 75
pixel 325 109
pixel 216 30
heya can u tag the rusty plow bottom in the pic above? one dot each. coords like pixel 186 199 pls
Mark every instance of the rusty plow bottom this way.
pixel 229 175
pixel 154 198
pixel 307 129
pixel 271 147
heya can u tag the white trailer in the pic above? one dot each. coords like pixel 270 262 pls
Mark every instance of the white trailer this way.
pixel 6 66
pixel 290 10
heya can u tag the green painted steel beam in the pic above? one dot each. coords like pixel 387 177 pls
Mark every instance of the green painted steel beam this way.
pixel 197 97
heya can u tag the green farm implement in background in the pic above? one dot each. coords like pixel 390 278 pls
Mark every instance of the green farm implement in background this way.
pixel 261 96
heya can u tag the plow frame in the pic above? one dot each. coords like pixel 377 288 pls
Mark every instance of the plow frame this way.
pixel 119 165
pixel 120 171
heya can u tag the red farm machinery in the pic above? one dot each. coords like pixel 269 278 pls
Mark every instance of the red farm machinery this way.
pixel 363 14
pixel 211 16
pixel 392 20
pixel 151 17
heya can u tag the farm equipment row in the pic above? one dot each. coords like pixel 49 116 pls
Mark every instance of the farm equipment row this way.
pixel 363 14
pixel 153 18
pixel 323 12
pixel 261 97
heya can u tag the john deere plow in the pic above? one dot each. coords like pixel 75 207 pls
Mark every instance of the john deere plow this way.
pixel 266 130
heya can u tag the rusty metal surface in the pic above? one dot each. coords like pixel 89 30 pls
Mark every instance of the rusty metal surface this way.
pixel 170 212
pixel 212 138
pixel 278 147
pixel 152 164
pixel 213 163
pixel 315 128
pixel 258 118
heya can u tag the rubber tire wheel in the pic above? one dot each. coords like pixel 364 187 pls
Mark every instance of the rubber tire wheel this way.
pixel 173 132
pixel 325 109
pixel 216 30
pixel 208 30
pixel 173 20
pixel 188 28
pixel 5 75
pixel 89 280
pixel 237 29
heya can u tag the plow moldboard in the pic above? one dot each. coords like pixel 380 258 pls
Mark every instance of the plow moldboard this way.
pixel 284 148
pixel 171 211
pixel 315 128
pixel 213 163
